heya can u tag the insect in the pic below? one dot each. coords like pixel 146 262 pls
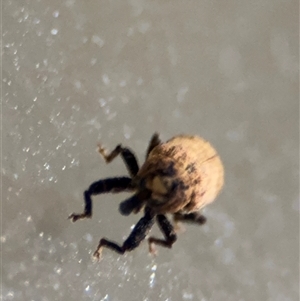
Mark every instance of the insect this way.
pixel 179 177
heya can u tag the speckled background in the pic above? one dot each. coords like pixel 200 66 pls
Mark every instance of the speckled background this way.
pixel 75 73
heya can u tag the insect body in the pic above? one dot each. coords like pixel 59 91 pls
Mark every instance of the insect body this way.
pixel 179 177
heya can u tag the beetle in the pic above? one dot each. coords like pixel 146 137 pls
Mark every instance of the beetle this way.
pixel 179 177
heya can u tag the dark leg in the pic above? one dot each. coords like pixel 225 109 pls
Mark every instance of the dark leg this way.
pixel 168 231
pixel 137 235
pixel 127 156
pixel 153 142
pixel 195 218
pixel 126 207
pixel 135 203
pixel 102 186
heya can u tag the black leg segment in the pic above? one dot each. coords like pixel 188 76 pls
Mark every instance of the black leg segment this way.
pixel 168 232
pixel 127 156
pixel 130 161
pixel 102 186
pixel 194 218
pixel 137 235
pixel 153 142
pixel 128 206
pixel 135 203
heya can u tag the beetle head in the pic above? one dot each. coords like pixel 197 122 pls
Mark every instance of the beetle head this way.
pixel 160 178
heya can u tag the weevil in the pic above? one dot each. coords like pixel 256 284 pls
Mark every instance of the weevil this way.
pixel 179 177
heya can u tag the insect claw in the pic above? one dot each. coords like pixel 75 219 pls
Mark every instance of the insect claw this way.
pixel 75 217
pixel 97 255
pixel 152 249
pixel 101 149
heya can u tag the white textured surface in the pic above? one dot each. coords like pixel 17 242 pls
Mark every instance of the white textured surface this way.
pixel 79 72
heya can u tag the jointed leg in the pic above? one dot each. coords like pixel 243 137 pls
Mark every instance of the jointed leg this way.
pixel 127 156
pixel 137 235
pixel 195 218
pixel 153 142
pixel 168 231
pixel 135 203
pixel 102 186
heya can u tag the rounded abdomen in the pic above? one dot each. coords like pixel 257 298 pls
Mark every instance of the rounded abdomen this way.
pixel 199 166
